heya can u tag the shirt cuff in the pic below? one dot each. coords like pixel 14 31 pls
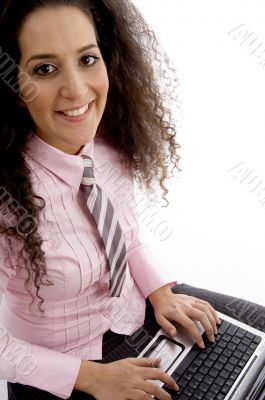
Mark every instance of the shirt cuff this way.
pixel 52 371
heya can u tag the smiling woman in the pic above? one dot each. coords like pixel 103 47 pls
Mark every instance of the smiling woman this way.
pixel 72 76
pixel 93 80
pixel 98 112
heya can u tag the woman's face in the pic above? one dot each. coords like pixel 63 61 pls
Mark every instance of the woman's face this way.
pixel 59 53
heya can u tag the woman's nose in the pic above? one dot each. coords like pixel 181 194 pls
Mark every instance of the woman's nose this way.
pixel 73 85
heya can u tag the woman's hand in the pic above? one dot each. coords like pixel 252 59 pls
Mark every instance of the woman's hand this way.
pixel 184 310
pixel 127 379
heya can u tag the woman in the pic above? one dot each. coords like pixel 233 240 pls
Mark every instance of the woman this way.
pixel 81 103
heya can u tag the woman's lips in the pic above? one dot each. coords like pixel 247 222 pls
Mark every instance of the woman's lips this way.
pixel 79 118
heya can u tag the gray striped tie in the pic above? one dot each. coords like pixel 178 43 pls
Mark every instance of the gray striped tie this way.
pixel 108 226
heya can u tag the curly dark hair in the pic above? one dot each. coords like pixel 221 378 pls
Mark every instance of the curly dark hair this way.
pixel 137 120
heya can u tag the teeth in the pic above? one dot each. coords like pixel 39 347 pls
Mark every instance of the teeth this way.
pixel 76 113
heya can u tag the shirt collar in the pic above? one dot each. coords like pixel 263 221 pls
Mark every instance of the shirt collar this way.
pixel 67 167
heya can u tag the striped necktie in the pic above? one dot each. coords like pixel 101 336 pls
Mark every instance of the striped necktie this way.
pixel 108 226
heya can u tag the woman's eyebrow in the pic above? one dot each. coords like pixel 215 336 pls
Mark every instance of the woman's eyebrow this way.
pixel 43 56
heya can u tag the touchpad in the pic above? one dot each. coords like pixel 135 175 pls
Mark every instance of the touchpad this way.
pixel 165 348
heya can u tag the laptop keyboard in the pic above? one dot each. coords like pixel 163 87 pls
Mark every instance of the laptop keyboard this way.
pixel 210 373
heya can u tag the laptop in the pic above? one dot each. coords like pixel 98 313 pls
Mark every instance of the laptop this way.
pixel 231 368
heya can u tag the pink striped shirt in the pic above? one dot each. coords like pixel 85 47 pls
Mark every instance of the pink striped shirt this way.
pixel 46 351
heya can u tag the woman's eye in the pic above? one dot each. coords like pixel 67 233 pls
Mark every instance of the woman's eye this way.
pixel 48 69
pixel 44 69
pixel 86 60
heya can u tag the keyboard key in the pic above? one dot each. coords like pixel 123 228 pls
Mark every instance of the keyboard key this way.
pixel 229 382
pixel 249 351
pixel 223 359
pixel 250 335
pixel 188 391
pixel 183 382
pixel 213 356
pixel 240 333
pixel 183 397
pixel 218 366
pixel 257 340
pixel 233 376
pixel 220 396
pixel 203 356
pixel 227 338
pixel 203 387
pixel 241 363
pixel 246 341
pixel 231 346
pixel 198 362
pixel 224 374
pixel 204 370
pixel 246 357
pixel 215 389
pixel 237 370
pixel 208 380
pixel 229 367
pixel 223 327
pixel 210 396
pixel 243 347
pixel 227 352
pixel 208 363
pixel 225 389
pixel 213 373
pixel 233 360
pixel 235 340
pixel 199 377
pixel 232 330
pixel 222 343
pixel 188 375
pixel 198 395
pixel 193 369
pixel 193 384
pixel 219 381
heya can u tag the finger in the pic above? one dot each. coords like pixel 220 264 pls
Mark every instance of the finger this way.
pixel 191 327
pixel 144 362
pixel 210 316
pixel 136 394
pixel 216 317
pixel 166 325
pixel 153 390
pixel 200 316
pixel 158 374
pixel 167 379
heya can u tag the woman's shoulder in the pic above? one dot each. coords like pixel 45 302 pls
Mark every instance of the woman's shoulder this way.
pixel 107 158
pixel 103 152
pixel 103 149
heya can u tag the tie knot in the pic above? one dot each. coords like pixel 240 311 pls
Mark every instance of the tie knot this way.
pixel 88 173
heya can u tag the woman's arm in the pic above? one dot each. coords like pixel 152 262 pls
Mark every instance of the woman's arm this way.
pixel 33 365
pixel 87 374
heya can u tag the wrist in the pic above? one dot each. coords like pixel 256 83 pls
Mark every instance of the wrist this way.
pixel 86 376
pixel 158 292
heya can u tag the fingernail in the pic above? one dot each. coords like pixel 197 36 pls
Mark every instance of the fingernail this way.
pixel 212 338
pixel 172 332
pixel 176 387
pixel 202 344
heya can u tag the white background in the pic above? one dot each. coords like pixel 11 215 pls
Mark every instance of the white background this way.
pixel 218 225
